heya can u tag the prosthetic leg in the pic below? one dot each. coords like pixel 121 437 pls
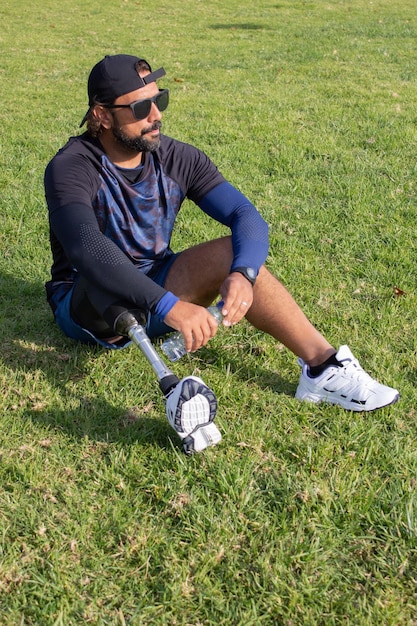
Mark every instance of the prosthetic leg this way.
pixel 190 405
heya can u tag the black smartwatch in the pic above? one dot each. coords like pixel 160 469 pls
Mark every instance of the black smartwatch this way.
pixel 248 272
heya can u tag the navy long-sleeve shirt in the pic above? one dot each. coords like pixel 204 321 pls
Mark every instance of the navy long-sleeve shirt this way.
pixel 106 225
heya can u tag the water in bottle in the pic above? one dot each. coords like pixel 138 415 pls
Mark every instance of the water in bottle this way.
pixel 173 346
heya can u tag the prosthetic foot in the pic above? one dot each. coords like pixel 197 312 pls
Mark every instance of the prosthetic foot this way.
pixel 191 408
pixel 190 405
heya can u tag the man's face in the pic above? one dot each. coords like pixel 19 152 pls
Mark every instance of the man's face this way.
pixel 137 135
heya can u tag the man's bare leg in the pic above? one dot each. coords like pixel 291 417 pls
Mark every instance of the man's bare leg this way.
pixel 198 273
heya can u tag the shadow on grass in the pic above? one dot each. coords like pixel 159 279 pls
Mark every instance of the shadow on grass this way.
pixel 244 26
pixel 103 423
pixel 33 344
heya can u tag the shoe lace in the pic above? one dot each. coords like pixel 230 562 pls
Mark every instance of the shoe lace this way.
pixel 353 370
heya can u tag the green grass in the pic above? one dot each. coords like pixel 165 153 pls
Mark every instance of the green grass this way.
pixel 303 515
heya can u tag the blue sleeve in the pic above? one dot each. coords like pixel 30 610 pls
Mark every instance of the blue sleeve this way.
pixel 165 304
pixel 228 206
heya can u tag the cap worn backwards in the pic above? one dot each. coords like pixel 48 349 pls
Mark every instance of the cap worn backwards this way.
pixel 114 76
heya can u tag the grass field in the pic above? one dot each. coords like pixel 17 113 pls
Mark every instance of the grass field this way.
pixel 303 515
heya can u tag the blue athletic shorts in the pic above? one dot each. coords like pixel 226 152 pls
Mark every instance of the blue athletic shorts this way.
pixel 62 300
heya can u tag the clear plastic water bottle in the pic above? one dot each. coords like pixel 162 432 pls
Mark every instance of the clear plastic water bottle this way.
pixel 173 347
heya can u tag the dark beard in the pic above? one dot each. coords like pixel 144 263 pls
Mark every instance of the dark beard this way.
pixel 139 143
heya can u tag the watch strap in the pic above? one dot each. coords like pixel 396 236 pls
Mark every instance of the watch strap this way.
pixel 248 272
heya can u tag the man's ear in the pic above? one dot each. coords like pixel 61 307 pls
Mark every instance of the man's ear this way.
pixel 103 115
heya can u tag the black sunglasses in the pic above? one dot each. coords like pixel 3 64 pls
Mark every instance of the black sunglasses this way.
pixel 142 108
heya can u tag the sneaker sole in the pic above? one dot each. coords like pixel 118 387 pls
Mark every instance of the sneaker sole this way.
pixel 347 406
pixel 192 392
pixel 201 438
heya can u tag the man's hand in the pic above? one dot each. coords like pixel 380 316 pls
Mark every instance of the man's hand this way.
pixel 195 323
pixel 237 295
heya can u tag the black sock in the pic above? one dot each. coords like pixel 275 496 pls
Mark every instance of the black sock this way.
pixel 316 370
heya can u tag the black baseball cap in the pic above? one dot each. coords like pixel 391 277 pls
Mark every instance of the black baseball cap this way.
pixel 114 76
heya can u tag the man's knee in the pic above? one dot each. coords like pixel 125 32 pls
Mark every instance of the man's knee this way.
pixel 201 268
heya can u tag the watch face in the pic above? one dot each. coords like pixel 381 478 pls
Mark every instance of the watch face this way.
pixel 251 273
pixel 248 272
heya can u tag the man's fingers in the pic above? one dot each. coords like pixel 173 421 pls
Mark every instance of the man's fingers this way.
pixel 198 335
pixel 236 311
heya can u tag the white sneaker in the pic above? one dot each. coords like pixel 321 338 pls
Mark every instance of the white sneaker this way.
pixel 348 385
pixel 191 408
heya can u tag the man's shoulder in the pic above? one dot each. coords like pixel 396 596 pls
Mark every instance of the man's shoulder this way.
pixel 81 145
pixel 79 157
pixel 169 145
pixel 77 163
pixel 189 166
pixel 81 148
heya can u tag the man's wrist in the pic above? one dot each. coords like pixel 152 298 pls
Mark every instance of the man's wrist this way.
pixel 165 304
pixel 248 272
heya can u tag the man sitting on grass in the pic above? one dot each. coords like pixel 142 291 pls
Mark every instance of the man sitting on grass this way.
pixel 113 195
